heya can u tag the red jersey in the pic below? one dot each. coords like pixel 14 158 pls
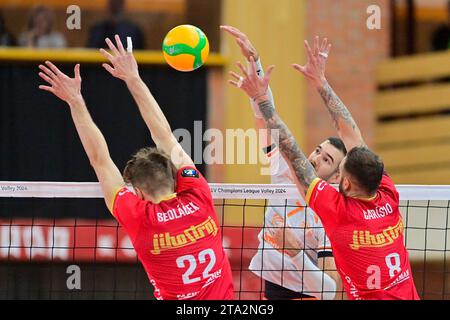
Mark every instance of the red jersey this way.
pixel 367 240
pixel 178 240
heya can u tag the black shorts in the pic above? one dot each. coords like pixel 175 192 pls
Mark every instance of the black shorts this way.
pixel 273 291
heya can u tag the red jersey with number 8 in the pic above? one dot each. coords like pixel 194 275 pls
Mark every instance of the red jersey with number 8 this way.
pixel 367 240
pixel 178 240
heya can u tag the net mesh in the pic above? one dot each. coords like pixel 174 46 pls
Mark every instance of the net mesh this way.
pixel 47 230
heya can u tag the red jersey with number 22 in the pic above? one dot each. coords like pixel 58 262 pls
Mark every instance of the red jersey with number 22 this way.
pixel 178 241
pixel 367 240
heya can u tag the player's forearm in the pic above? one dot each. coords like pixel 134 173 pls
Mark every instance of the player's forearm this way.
pixel 92 139
pixel 157 123
pixel 300 166
pixel 342 118
pixel 150 111
pixel 264 134
pixel 337 279
pixel 265 139
pixel 318 283
pixel 328 265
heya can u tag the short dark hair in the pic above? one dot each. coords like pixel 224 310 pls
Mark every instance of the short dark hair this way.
pixel 365 167
pixel 338 144
pixel 150 170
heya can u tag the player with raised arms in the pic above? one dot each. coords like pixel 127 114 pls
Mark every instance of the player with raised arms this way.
pixel 362 219
pixel 168 211
pixel 283 280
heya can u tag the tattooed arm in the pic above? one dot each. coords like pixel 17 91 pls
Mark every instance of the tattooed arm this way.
pixel 257 89
pixel 343 121
pixel 314 72
pixel 300 167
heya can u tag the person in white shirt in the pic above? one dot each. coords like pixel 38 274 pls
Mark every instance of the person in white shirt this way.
pixel 315 276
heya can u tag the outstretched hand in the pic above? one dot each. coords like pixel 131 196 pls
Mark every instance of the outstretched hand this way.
pixel 247 48
pixel 65 88
pixel 314 69
pixel 253 85
pixel 124 65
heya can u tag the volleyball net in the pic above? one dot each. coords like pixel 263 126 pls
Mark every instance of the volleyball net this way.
pixel 51 230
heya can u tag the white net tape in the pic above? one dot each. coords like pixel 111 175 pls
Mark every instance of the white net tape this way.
pixel 26 189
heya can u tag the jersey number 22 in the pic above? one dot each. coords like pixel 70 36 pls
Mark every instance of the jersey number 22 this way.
pixel 191 261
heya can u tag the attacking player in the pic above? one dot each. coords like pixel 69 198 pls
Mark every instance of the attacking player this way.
pixel 282 279
pixel 170 216
pixel 362 220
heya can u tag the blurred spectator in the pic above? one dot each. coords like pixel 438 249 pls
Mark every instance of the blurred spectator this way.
pixel 40 33
pixel 5 38
pixel 116 23
pixel 441 37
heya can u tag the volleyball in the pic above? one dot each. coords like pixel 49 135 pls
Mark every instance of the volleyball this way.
pixel 185 48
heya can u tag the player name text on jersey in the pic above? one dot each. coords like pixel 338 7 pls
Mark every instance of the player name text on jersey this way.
pixel 179 212
pixel 379 212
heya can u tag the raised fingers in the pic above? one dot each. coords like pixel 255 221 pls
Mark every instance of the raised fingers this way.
pixel 316 46
pixel 328 49
pixel 233 31
pixel 106 54
pixel 252 67
pixel 112 47
pixel 77 71
pixel 48 72
pixel 109 68
pixel 309 51
pixel 46 78
pixel 55 70
pixel 234 75
pixel 240 42
pixel 47 88
pixel 233 83
pixel 269 72
pixel 298 67
pixel 119 44
pixel 323 47
pixel 239 64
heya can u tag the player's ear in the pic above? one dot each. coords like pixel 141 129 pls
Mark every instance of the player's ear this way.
pixel 139 193
pixel 347 184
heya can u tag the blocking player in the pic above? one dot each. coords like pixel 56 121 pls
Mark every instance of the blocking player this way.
pixel 362 220
pixel 282 279
pixel 170 216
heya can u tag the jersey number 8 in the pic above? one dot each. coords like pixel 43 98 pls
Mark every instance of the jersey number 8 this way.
pixel 392 262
